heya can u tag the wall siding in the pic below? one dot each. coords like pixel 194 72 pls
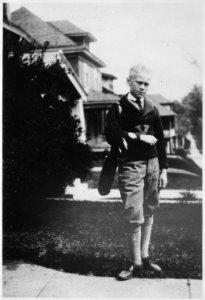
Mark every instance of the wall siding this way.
pixel 89 76
pixel 74 64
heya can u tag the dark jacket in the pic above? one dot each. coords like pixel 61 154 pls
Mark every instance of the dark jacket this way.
pixel 130 119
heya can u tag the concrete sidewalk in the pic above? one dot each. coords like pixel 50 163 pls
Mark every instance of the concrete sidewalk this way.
pixel 21 279
pixel 83 193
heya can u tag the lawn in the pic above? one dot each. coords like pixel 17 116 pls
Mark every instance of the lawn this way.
pixel 88 238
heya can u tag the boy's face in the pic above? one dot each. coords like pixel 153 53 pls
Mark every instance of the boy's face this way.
pixel 139 84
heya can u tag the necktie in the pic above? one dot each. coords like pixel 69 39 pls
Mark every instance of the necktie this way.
pixel 138 101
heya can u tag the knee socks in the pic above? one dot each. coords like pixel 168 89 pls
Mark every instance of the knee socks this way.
pixel 135 245
pixel 146 236
pixel 139 240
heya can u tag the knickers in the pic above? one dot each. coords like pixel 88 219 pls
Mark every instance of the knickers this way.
pixel 138 185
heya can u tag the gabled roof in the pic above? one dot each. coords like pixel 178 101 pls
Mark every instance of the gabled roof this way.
pixel 71 29
pixel 67 27
pixel 160 99
pixel 39 30
pixel 163 111
pixel 100 96
pixel 99 99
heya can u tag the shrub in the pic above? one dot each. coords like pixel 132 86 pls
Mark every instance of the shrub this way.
pixel 42 151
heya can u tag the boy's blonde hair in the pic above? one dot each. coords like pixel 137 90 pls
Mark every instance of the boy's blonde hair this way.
pixel 139 70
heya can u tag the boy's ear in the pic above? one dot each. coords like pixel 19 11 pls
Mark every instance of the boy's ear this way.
pixel 128 81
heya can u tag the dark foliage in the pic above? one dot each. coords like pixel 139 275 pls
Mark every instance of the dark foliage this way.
pixel 193 104
pixel 183 122
pixel 42 152
pixel 189 115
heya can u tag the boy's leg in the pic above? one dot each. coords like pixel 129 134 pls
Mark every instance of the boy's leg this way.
pixel 146 236
pixel 151 203
pixel 134 239
pixel 131 184
pixel 145 242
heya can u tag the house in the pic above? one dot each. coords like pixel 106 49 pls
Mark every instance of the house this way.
pixel 13 36
pixel 168 118
pixel 71 45
pixel 163 101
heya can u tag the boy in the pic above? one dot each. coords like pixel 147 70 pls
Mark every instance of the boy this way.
pixel 137 127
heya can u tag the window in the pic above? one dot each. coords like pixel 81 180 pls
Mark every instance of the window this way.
pixel 86 75
pixel 86 80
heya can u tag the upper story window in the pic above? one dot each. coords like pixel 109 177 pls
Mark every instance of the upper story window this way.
pixel 86 76
pixel 91 77
pixel 86 80
pixel 111 86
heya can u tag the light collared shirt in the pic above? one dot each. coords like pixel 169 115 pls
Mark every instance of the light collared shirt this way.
pixel 132 98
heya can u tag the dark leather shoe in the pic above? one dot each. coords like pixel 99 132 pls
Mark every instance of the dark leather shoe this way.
pixel 134 271
pixel 148 265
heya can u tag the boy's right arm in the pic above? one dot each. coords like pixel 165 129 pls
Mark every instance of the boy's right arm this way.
pixel 113 132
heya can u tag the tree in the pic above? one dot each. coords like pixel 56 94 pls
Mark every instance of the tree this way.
pixel 189 115
pixel 42 152
pixel 183 122
pixel 193 105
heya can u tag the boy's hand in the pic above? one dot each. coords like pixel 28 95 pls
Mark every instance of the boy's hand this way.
pixel 132 135
pixel 163 179
pixel 149 139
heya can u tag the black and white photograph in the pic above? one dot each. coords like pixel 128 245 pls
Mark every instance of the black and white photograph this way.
pixel 102 149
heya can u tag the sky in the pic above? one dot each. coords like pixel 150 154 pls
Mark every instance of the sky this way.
pixel 165 35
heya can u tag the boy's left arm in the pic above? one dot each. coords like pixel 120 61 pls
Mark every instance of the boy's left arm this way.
pixel 161 148
pixel 163 179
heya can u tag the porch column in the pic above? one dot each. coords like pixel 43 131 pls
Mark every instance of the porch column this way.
pixel 78 110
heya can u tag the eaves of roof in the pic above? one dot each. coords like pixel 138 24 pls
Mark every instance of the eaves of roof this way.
pixel 84 53
pixel 86 34
pixel 17 31
pixel 106 75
